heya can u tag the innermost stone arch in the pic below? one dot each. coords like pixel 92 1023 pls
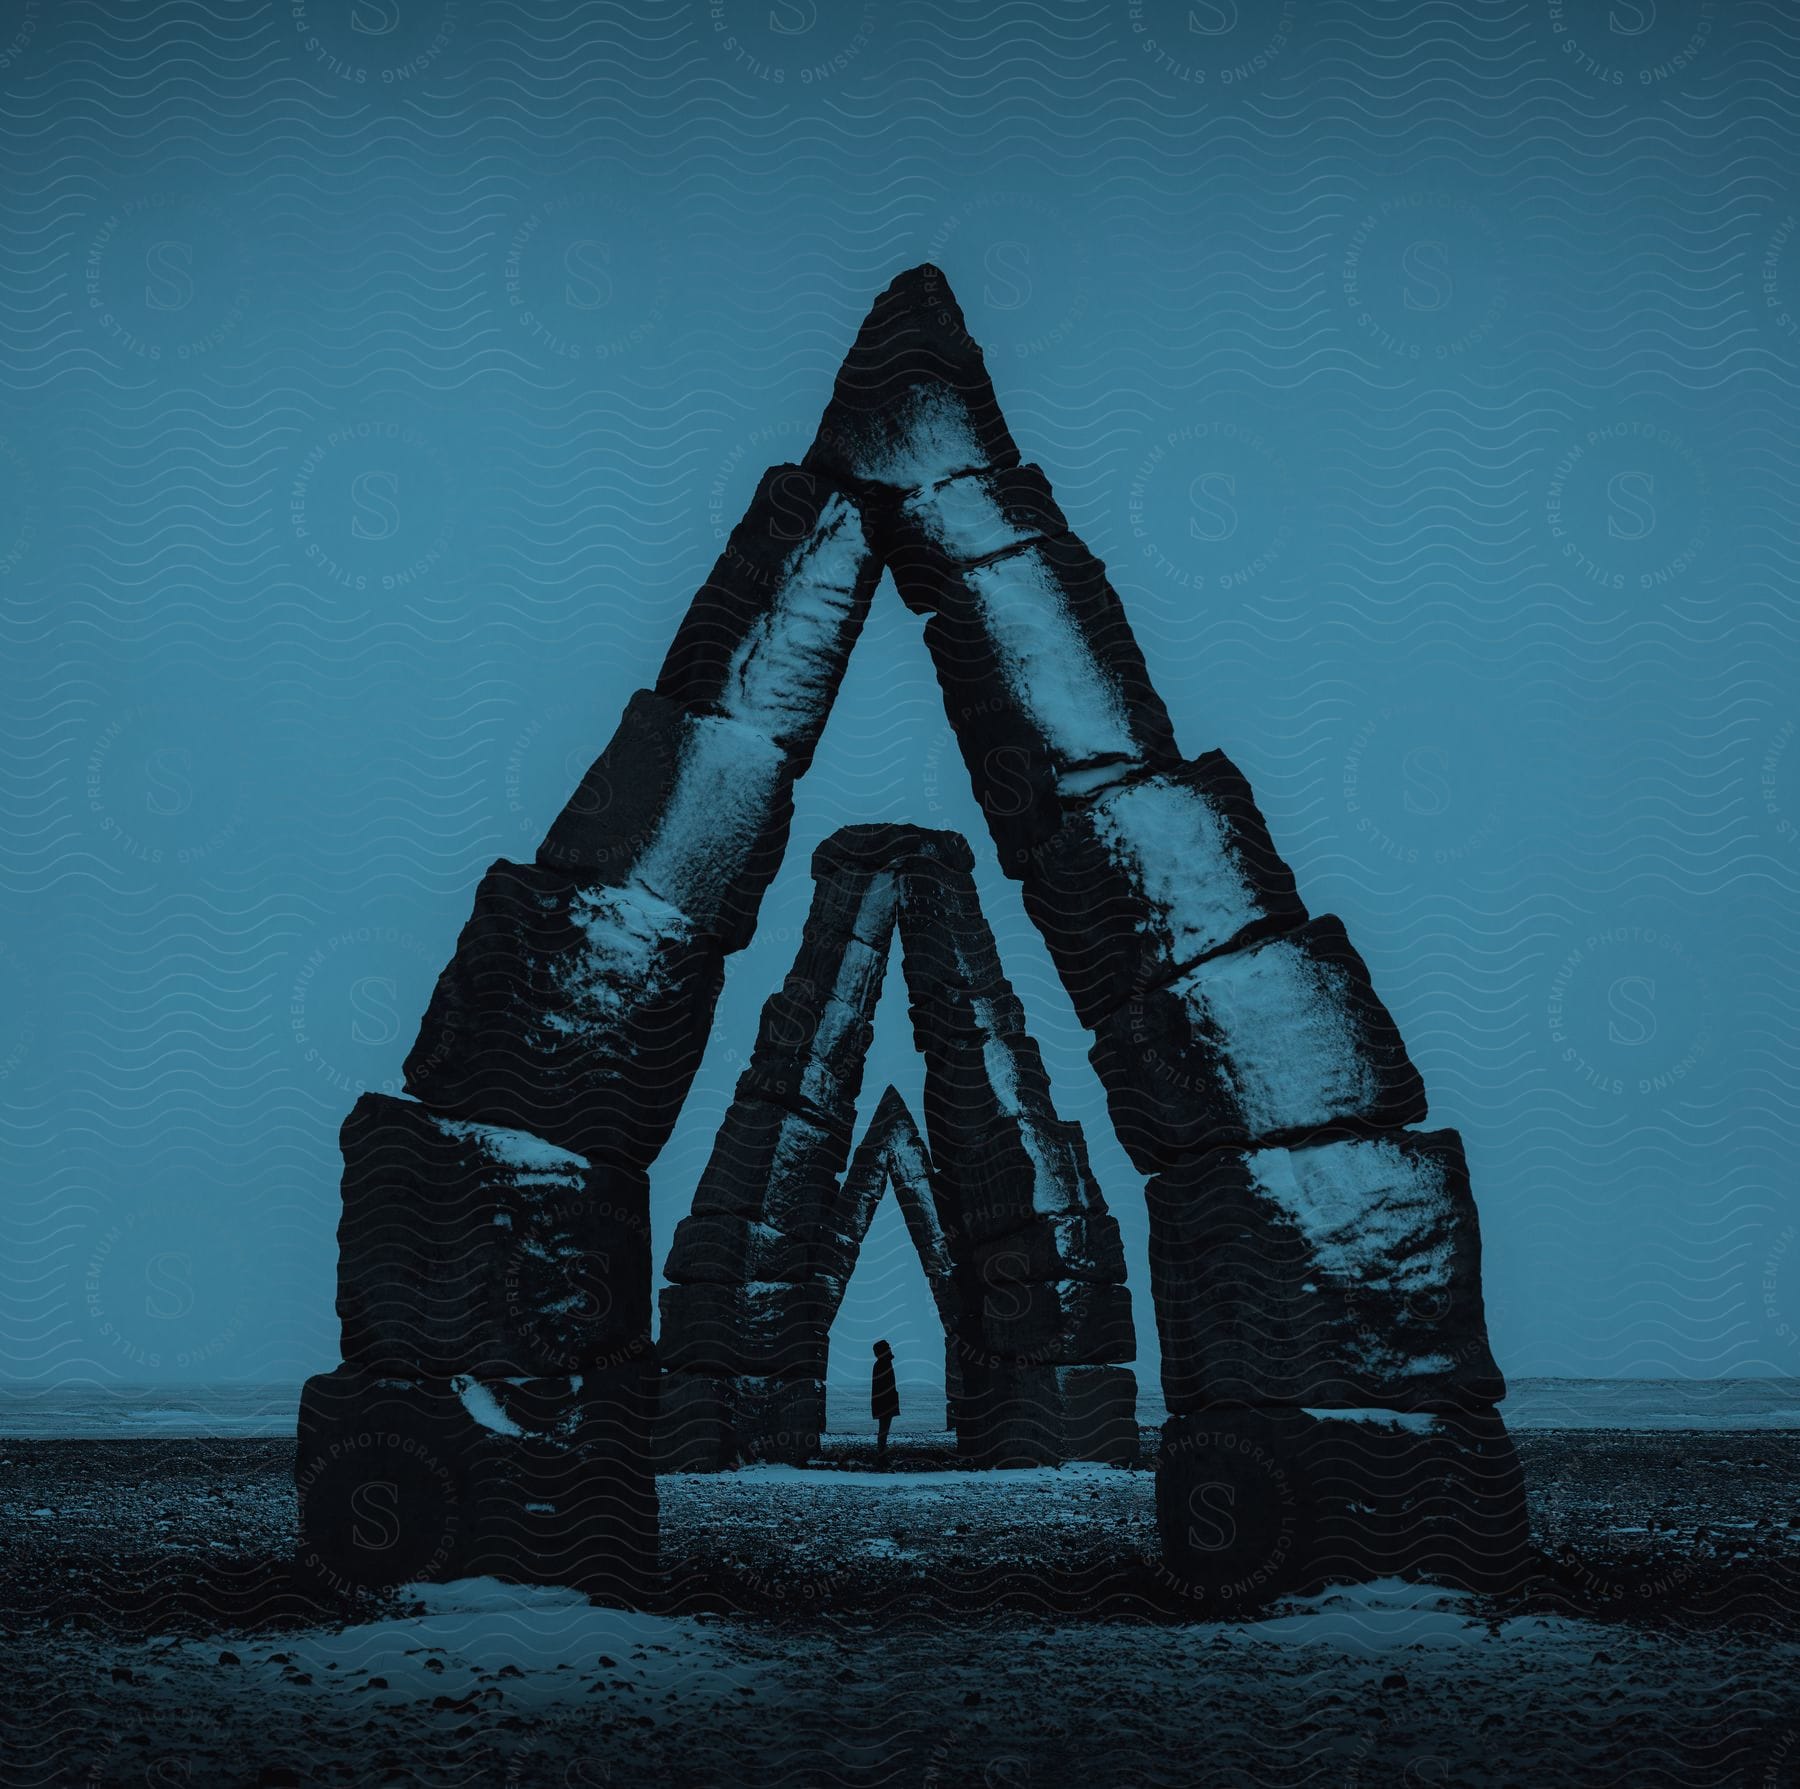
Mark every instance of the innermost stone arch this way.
pixel 1022 1253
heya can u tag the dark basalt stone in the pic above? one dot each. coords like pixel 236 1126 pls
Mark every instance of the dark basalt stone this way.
pixel 1054 1248
pixel 1014 1174
pixel 1344 1274
pixel 889 847
pixel 729 1251
pixel 1057 1323
pixel 1152 876
pixel 764 1329
pixel 1286 1040
pixel 694 809
pixel 1012 1416
pixel 970 520
pixel 768 635
pixel 1256 1502
pixel 773 1166
pixel 710 1423
pixel 913 403
pixel 538 1481
pixel 575 1011
pixel 1043 684
pixel 468 1249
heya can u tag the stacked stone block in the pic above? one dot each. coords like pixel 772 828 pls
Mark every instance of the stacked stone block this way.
pixel 1316 1263
pixel 498 1398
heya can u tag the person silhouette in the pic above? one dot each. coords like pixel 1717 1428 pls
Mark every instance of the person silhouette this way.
pixel 884 1398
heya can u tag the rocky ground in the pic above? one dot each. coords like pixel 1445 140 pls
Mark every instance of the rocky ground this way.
pixel 901 1627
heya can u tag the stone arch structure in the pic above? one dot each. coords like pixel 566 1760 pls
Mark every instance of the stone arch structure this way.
pixel 1024 1259
pixel 1315 1258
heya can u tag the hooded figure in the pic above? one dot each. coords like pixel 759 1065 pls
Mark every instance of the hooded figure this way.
pixel 884 1395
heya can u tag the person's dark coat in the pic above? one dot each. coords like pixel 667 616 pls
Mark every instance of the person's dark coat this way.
pixel 884 1394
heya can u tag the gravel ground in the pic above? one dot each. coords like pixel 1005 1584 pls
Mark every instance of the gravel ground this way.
pixel 907 1627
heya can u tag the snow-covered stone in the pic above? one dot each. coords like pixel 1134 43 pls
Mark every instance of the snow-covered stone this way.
pixel 468 1249
pixel 1344 1273
pixel 1151 876
pixel 692 809
pixel 1043 685
pixel 1013 1174
pixel 1085 1247
pixel 534 1480
pixel 1255 1502
pixel 913 404
pixel 1275 1042
pixel 1057 1323
pixel 978 516
pixel 763 1328
pixel 573 1010
pixel 767 637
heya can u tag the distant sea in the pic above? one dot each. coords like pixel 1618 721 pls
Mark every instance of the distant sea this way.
pixel 172 1412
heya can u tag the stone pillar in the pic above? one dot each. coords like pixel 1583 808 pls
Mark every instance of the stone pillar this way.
pixel 498 1398
pixel 760 1263
pixel 1040 1305
pixel 1317 1281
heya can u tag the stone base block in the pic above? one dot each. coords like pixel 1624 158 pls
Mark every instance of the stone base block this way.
pixel 538 1481
pixel 577 1012
pixel 711 1423
pixel 759 1330
pixel 463 1248
pixel 1254 1503
pixel 1284 1041
pixel 1151 876
pixel 1013 1416
pixel 1345 1273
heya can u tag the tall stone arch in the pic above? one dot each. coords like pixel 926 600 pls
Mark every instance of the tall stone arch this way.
pixel 1315 1259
